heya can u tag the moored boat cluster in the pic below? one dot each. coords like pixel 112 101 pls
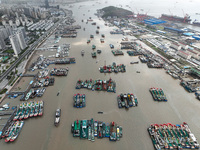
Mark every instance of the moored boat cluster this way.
pixel 29 109
pixel 113 68
pixel 59 72
pixel 127 100
pixel 158 94
pixel 171 136
pixel 13 131
pixel 79 100
pixel 89 129
pixel 98 85
pixel 117 52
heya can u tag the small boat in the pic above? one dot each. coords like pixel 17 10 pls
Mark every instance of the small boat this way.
pixel 100 112
pixel 98 51
pixel 137 71
pixel 82 52
pixel 58 93
pixel 57 117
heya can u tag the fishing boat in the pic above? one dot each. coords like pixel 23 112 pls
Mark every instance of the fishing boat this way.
pixel 92 130
pixel 118 134
pixel 26 115
pixel 82 52
pixel 100 133
pixel 94 54
pixel 102 40
pixel 99 51
pixel 77 127
pixel 95 127
pixel 93 47
pixel 84 130
pixel 17 131
pixel 28 94
pixel 88 41
pixel 113 136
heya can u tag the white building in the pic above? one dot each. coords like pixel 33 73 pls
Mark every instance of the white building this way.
pixel 10 22
pixel 184 46
pixel 175 46
pixel 2 43
pixel 3 33
pixel 184 54
pixel 21 39
pixel 15 44
pixel 8 29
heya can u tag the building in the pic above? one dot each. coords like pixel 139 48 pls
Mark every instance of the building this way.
pixel 175 46
pixel 3 33
pixel 23 31
pixel 9 30
pixel 21 39
pixel 2 43
pixel 183 54
pixel 15 44
pixel 46 4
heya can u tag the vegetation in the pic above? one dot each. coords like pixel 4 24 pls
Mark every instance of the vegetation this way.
pixel 10 51
pixel 115 11
pixel 11 80
pixel 3 91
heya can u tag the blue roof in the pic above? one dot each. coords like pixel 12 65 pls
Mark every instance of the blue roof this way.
pixel 154 21
pixel 196 37
pixel 173 29
pixel 188 34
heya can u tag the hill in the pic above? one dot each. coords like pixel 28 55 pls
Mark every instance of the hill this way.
pixel 115 11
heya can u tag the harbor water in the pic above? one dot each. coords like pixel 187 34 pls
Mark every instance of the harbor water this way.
pixel 41 134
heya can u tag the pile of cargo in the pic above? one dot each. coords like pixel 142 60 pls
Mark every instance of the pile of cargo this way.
pixel 59 72
pixel 113 68
pixel 117 52
pixel 79 100
pixel 158 94
pixel 89 129
pixel 169 136
pixel 127 100
pixel 98 85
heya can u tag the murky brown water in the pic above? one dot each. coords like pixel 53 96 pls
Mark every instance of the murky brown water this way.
pixel 41 134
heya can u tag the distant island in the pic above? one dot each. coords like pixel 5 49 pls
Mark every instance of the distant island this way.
pixel 115 11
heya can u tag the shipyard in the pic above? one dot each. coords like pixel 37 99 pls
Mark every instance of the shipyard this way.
pixel 117 82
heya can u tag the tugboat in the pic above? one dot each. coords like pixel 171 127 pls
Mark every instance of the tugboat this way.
pixel 57 117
